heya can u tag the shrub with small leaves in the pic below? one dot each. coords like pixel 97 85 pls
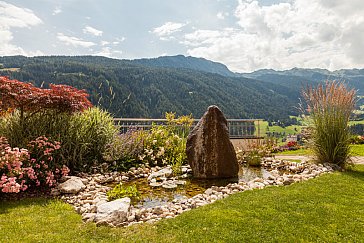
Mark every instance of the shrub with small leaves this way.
pixel 120 191
pixel 123 152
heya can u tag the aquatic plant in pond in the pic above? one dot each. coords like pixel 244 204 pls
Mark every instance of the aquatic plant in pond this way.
pixel 120 191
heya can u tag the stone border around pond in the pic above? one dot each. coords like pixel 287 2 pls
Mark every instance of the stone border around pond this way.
pixel 87 193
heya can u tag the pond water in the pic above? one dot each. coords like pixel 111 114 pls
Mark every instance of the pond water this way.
pixel 157 196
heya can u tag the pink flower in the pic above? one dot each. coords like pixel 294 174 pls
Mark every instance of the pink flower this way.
pixel 65 170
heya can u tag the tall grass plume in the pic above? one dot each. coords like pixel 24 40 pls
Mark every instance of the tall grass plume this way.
pixel 330 106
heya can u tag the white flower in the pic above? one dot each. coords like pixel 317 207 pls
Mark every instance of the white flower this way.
pixel 160 152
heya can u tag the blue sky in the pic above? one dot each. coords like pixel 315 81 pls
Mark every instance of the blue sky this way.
pixel 245 35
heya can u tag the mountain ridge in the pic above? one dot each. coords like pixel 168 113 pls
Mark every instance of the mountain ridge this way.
pixel 150 87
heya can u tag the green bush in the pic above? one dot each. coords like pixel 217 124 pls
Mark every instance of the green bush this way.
pixel 47 123
pixel 161 145
pixel 254 150
pixel 89 133
pixel 330 108
pixel 125 150
pixel 120 191
pixel 83 135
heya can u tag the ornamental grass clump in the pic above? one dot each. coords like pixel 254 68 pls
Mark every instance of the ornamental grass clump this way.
pixel 330 107
pixel 61 113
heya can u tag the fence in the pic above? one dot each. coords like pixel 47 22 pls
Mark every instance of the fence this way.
pixel 238 128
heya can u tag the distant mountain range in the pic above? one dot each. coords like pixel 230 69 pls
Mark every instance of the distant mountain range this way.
pixel 185 85
pixel 287 78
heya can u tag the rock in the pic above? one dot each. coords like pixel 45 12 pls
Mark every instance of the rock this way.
pixel 55 192
pixel 180 182
pixel 209 191
pixel 155 184
pixel 210 152
pixel 163 173
pixel 157 210
pixel 114 211
pixel 258 180
pixel 86 216
pixel 169 185
pixel 288 181
pixel 72 185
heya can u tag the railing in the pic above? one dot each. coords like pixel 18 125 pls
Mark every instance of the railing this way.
pixel 238 128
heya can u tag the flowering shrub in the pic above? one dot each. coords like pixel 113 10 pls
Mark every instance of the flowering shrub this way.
pixel 22 168
pixel 357 139
pixel 161 145
pixel 291 144
pixel 254 151
pixel 125 149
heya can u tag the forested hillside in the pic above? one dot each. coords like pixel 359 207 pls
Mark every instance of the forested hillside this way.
pixel 297 78
pixel 193 63
pixel 127 89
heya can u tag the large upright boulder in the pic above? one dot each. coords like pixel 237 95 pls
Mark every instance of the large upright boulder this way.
pixel 209 150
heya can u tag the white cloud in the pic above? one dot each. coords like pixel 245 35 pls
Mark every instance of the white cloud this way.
pixel 299 33
pixel 92 31
pixel 11 17
pixel 222 15
pixel 108 52
pixel 104 43
pixel 56 11
pixel 120 39
pixel 74 41
pixel 166 30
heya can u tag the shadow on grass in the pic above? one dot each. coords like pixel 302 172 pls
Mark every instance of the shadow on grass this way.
pixel 357 171
pixel 8 204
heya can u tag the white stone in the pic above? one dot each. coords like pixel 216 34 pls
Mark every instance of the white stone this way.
pixel 72 186
pixel 166 172
pixel 116 210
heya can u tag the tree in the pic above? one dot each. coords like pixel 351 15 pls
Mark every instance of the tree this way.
pixel 25 97
pixel 26 101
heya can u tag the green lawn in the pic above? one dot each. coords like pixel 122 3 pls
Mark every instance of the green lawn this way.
pixel 356 122
pixel 295 152
pixel 357 150
pixel 326 209
pixel 293 129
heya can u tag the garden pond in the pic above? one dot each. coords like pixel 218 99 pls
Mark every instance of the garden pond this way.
pixel 158 196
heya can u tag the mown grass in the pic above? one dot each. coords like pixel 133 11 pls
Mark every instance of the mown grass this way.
pixel 292 129
pixel 357 149
pixel 295 152
pixel 356 122
pixel 326 209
